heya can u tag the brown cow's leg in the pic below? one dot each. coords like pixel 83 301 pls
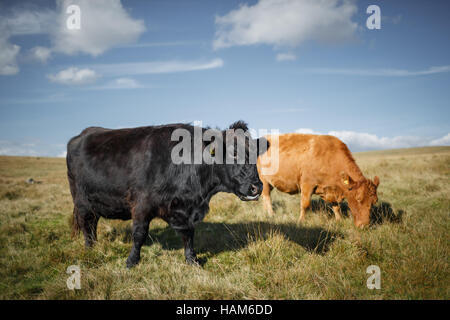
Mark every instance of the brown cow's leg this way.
pixel 266 197
pixel 306 192
pixel 337 212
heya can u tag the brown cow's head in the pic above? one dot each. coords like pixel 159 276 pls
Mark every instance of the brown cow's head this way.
pixel 361 196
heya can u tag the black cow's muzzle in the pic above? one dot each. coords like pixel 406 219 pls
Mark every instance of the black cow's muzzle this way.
pixel 253 193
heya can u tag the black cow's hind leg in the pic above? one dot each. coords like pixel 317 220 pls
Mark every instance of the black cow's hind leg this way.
pixel 188 239
pixel 140 233
pixel 87 221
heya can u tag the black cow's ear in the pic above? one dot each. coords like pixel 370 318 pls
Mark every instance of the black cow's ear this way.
pixel 262 145
pixel 239 125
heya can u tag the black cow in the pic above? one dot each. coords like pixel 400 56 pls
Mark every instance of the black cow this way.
pixel 129 174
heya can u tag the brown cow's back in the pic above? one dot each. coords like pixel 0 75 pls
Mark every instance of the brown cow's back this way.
pixel 307 157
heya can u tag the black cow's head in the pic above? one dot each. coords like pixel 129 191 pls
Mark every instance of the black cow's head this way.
pixel 239 171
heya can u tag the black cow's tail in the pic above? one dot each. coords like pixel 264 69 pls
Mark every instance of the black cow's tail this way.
pixel 75 225
pixel 73 191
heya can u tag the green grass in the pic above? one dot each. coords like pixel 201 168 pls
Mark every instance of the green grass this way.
pixel 246 254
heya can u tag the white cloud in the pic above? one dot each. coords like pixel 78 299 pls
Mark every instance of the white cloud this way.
pixel 121 69
pixel 286 57
pixel 27 20
pixel 41 54
pixel 74 76
pixel 126 83
pixel 163 44
pixel 19 21
pixel 63 154
pixel 104 24
pixel 380 72
pixel 18 152
pixel 361 141
pixel 17 149
pixel 286 23
pixel 120 83
pixel 444 141
pixel 8 57
pixel 34 148
pixel 306 131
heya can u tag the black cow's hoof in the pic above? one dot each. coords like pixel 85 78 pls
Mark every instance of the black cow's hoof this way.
pixel 192 261
pixel 131 263
pixel 89 244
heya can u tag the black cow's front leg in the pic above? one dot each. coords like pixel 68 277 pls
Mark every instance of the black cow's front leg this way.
pixel 188 239
pixel 140 233
pixel 182 218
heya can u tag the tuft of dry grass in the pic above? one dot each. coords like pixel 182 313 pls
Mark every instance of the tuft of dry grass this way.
pixel 246 254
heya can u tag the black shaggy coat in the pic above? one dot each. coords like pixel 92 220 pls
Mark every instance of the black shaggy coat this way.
pixel 129 174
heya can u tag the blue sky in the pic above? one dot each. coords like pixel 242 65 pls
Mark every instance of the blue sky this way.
pixel 291 65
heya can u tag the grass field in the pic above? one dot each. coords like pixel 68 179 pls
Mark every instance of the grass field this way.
pixel 245 253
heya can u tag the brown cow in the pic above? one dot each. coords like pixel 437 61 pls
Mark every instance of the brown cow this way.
pixel 322 165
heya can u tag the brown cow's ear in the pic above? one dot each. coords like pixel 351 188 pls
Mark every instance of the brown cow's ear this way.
pixel 346 180
pixel 262 145
pixel 376 181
